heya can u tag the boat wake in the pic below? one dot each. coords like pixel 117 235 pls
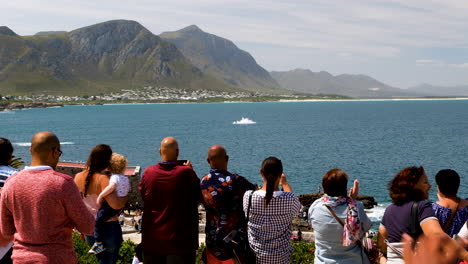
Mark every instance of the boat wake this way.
pixel 28 144
pixel 244 121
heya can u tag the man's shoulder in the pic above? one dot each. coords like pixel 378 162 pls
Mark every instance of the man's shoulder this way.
pixel 64 176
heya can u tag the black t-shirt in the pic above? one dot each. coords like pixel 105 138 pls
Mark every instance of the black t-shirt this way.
pixel 397 218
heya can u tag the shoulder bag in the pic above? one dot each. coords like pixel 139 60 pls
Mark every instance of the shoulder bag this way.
pixel 243 252
pixel 452 216
pixel 367 245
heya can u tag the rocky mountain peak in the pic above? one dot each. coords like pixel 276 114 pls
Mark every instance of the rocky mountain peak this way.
pixel 107 37
pixel 191 29
pixel 7 31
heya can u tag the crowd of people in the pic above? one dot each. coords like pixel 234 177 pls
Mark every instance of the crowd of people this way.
pixel 245 223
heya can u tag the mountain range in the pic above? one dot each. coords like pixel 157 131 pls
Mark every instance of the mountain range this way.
pixel 221 58
pixel 122 54
pixel 432 90
pixel 101 58
pixel 360 86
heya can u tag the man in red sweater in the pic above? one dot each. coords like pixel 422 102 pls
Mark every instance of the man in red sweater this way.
pixel 39 208
pixel 171 194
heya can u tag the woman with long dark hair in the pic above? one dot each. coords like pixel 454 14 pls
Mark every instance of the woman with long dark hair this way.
pixel 270 212
pixel 91 181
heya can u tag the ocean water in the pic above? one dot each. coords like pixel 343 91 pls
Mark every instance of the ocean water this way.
pixel 370 140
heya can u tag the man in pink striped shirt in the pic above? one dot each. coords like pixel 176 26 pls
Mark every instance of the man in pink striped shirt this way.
pixel 39 208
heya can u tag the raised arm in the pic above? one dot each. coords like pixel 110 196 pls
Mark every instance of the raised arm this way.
pixel 284 183
pixel 354 191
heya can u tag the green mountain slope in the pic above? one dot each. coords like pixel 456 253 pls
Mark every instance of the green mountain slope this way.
pixel 96 59
pixel 222 59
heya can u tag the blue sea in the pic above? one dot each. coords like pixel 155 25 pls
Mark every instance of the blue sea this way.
pixel 370 140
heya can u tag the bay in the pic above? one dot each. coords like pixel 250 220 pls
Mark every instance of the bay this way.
pixel 370 140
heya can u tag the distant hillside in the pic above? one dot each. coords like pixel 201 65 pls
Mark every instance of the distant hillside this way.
pixel 461 90
pixel 360 86
pixel 47 33
pixel 221 58
pixel 100 58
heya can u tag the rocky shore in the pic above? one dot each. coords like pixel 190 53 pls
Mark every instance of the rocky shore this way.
pixel 17 106
pixel 307 199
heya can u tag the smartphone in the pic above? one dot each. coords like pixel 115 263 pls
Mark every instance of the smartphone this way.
pixel 182 162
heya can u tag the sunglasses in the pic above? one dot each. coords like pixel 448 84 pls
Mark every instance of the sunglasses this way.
pixel 59 151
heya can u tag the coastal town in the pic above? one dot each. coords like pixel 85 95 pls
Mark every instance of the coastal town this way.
pixel 147 94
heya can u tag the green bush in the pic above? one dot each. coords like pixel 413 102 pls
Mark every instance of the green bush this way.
pixel 81 249
pixel 303 252
pixel 199 253
pixel 126 251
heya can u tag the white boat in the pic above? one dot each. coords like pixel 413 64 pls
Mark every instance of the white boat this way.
pixel 244 121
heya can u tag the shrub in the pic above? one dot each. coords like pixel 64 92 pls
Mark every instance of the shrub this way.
pixel 126 251
pixel 199 253
pixel 303 252
pixel 81 249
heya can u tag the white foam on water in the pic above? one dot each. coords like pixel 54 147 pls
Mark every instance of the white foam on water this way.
pixel 28 144
pixel 22 144
pixel 7 112
pixel 244 121
pixel 375 214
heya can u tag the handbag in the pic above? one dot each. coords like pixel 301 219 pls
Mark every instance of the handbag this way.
pixel 244 253
pixel 367 245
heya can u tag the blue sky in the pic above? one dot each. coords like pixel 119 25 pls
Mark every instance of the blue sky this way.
pixel 400 42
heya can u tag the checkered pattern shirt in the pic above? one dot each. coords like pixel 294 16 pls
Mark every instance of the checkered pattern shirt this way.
pixel 269 228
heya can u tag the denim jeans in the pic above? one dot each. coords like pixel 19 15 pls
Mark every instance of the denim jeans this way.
pixel 111 239
pixel 104 214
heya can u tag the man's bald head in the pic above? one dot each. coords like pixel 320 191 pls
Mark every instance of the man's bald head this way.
pixel 217 157
pixel 45 149
pixel 169 149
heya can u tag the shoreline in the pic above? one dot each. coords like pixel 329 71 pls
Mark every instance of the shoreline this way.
pixel 32 104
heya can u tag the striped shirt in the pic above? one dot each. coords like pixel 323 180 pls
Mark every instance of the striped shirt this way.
pixel 269 228
pixel 5 172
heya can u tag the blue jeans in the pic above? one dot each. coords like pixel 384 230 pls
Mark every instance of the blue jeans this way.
pixel 111 239
pixel 104 214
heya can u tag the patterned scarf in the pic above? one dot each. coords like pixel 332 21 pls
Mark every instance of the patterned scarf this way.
pixel 352 223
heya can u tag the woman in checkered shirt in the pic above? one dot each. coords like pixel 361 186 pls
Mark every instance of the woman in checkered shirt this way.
pixel 270 215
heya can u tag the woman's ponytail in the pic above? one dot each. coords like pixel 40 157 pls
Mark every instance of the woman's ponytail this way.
pixel 272 168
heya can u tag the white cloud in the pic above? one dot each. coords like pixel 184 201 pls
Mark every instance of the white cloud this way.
pixel 439 63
